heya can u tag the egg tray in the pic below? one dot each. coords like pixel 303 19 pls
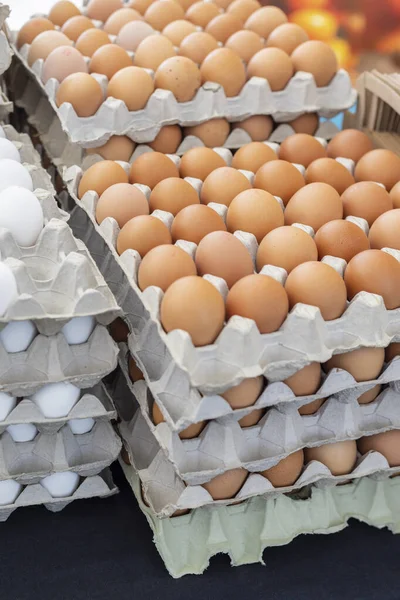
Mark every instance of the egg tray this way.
pixel 113 117
pixel 86 454
pixel 94 403
pixel 6 106
pixel 243 531
pixel 6 53
pixel 52 359
pixel 100 486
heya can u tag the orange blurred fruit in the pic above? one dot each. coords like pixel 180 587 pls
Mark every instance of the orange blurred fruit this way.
pixel 319 24
pixel 390 42
pixel 298 4
pixel 344 55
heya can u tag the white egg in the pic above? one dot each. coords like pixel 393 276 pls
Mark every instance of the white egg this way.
pixel 56 400
pixel 12 173
pixel 22 214
pixel 80 426
pixel 7 404
pixel 8 150
pixel 78 330
pixel 9 491
pixel 61 485
pixel 2 134
pixel 24 432
pixel 17 336
pixel 8 287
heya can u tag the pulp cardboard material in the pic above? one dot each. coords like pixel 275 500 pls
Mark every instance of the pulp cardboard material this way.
pixel 187 543
pixel 6 53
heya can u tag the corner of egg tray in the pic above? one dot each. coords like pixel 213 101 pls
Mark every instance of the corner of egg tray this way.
pixel 245 530
pixel 113 118
pixel 6 52
pixel 100 486
pixel 86 454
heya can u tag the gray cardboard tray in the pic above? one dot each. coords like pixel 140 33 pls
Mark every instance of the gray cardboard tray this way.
pixel 6 53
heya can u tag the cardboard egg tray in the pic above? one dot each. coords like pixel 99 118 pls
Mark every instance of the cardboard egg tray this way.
pixel 86 454
pixel 113 117
pixel 6 53
pixel 94 403
pixel 243 531
pixel 101 486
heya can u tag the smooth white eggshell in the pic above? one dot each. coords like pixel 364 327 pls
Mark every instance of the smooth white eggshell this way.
pixel 17 336
pixel 78 330
pixel 9 491
pixel 12 173
pixel 7 404
pixel 132 34
pixel 22 214
pixel 8 150
pixel 61 485
pixel 55 400
pixel 8 287
pixel 80 426
pixel 24 432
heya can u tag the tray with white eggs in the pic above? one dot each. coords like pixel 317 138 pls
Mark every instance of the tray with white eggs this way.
pixel 27 455
pixel 55 491
pixel 53 406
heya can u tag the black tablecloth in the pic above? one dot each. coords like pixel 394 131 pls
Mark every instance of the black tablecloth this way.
pixel 103 549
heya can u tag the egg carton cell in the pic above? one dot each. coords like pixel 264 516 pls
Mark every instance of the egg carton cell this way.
pixel 34 494
pixel 245 530
pixel 6 53
pixel 52 359
pixel 256 98
pixel 166 492
pixel 85 454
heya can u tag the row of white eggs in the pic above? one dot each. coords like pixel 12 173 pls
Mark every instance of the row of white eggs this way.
pixel 59 485
pixel 26 432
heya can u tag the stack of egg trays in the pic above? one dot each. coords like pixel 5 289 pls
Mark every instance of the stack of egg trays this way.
pixel 6 54
pixel 256 98
pixel 57 281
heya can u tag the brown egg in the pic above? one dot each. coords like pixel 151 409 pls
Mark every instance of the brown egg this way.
pixel 189 433
pixel 246 393
pixel 140 5
pixel 61 62
pixel 197 46
pixel 317 284
pixel 366 199
pixel 311 408
pixel 100 176
pixel 286 247
pixel 163 265
pixel 258 127
pixel 109 59
pixel 225 67
pixel 387 443
pixel 379 165
pixel 328 170
pixel 122 202
pixel 254 211
pixel 317 58
pixel 172 195
pixel 119 330
pixel 180 75
pixel 340 457
pixel 223 3
pixel 223 185
pixel 178 30
pixel 260 298
pixel 194 305
pixel 376 272
pixel 133 86
pixel 132 34
pixel 91 40
pixel 102 9
pixel 223 26
pixel 62 11
pixel 287 37
pixel 151 168
pixel 349 143
pixel 279 178
pixel 32 29
pixel 134 372
pixel 245 43
pixel 252 156
pixel 121 17
pixel 75 26
pixel 252 418
pixel 395 195
pixel 152 51
pixel 302 149
pixel 306 123
pixel 287 471
pixel 264 20
pixel 306 381
pixel 212 133
pixel 314 204
pixel 340 238
pixel 167 140
pixel 226 485
pixel 194 222
pixel 83 92
pixel 200 162
pixel 272 64
pixel 363 364
pixel 118 147
pixel 221 254
pixel 186 3
pixel 201 13
pixel 143 233
pixel 392 351
pixel 45 43
pixel 162 12
pixel 384 233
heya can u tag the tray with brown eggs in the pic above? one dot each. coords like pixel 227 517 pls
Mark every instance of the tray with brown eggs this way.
pixel 134 84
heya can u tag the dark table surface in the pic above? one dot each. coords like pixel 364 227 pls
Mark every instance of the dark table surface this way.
pixel 103 549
